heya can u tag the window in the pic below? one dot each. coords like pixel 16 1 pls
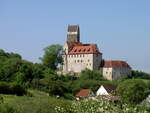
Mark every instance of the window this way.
pixel 84 50
pixel 75 50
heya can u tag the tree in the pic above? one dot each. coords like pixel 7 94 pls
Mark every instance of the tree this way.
pixel 140 75
pixel 57 88
pixel 12 66
pixel 88 74
pixel 52 56
pixel 132 91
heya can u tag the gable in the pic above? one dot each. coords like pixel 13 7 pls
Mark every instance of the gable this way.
pixel 102 91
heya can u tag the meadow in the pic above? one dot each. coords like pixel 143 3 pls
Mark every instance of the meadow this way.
pixel 41 102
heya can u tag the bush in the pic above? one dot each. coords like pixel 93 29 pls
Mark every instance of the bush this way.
pixel 100 106
pixel 1 99
pixel 140 75
pixel 69 96
pixel 17 89
pixel 12 88
pixel 132 91
pixel 7 109
pixel 57 88
pixel 92 75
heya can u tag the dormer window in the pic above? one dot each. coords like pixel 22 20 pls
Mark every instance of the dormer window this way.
pixel 75 50
pixel 88 50
pixel 79 50
pixel 83 50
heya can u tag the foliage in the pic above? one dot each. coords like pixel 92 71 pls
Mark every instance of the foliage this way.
pixel 7 109
pixel 57 88
pixel 13 67
pixel 12 88
pixel 100 106
pixel 52 56
pixel 40 102
pixel 132 91
pixel 140 75
pixel 91 75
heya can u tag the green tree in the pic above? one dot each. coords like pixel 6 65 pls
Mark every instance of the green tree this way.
pixel 132 91
pixel 12 66
pixel 52 56
pixel 140 75
pixel 57 88
pixel 92 75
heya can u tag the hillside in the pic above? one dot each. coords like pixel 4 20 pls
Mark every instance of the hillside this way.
pixel 40 102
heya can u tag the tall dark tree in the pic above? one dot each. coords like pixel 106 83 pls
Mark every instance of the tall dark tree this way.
pixel 52 56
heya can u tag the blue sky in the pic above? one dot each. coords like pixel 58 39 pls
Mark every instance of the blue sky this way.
pixel 121 28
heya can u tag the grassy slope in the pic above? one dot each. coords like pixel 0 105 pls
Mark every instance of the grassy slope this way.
pixel 39 103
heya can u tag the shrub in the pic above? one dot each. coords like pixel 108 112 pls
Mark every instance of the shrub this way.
pixel 12 88
pixel 5 108
pixel 17 89
pixel 69 96
pixel 100 106
pixel 132 91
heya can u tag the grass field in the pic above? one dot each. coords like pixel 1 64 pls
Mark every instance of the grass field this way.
pixel 40 102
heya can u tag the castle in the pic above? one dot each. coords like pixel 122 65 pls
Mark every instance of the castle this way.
pixel 78 57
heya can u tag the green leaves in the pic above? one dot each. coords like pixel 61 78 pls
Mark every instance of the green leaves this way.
pixel 91 75
pixel 52 56
pixel 132 91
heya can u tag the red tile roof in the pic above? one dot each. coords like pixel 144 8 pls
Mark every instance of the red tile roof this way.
pixel 83 93
pixel 85 49
pixel 115 64
pixel 73 28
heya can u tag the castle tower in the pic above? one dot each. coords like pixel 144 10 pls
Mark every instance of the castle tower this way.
pixel 73 34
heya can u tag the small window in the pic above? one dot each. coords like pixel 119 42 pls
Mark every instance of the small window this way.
pixel 88 50
pixel 75 50
pixel 84 50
